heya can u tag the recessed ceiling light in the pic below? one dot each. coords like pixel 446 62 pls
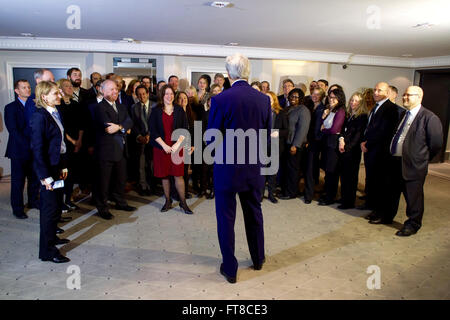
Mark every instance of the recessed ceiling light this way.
pixel 233 44
pixel 128 39
pixel 221 4
pixel 423 25
pixel 27 34
pixel 407 55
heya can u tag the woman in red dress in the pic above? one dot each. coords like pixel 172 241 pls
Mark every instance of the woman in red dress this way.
pixel 164 119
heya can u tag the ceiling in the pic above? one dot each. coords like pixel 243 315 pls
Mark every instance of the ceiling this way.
pixel 364 27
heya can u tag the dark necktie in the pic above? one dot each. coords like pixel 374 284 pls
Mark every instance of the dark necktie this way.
pixel 145 112
pixel 399 133
pixel 370 117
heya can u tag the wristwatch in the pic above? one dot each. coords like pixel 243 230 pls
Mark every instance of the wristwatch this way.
pixel 122 129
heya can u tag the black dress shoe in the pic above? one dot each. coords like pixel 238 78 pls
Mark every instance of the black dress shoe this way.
pixel 406 232
pixel 20 215
pixel 201 194
pixel 210 195
pixel 229 279
pixel 64 219
pixel 58 259
pixel 61 241
pixel 345 206
pixel 371 216
pixel 185 208
pixel 188 195
pixel 272 198
pixel 286 197
pixel 106 215
pixel 307 201
pixel 59 230
pixel 167 206
pixel 71 205
pixel 380 221
pixel 325 202
pixel 125 208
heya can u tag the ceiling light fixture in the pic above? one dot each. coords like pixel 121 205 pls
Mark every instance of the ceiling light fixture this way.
pixel 423 25
pixel 233 44
pixel 407 55
pixel 130 40
pixel 27 34
pixel 221 4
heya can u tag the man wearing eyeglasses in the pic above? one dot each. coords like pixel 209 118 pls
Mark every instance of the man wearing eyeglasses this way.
pixel 418 140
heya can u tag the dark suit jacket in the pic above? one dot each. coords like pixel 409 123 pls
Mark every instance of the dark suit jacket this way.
pixel 240 107
pixel 314 133
pixel 299 120
pixel 111 147
pixel 380 132
pixel 280 121
pixel 282 100
pixel 422 143
pixel 353 131
pixel 46 145
pixel 140 125
pixel 19 133
pixel 155 123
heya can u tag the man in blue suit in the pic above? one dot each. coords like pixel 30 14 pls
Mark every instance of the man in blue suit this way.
pixel 30 106
pixel 19 151
pixel 239 108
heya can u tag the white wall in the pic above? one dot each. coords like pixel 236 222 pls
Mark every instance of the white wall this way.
pixel 273 71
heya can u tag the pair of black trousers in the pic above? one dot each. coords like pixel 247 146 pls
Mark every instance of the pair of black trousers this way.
pixel 22 169
pixel 312 169
pixel 49 215
pixel 292 172
pixel 349 163
pixel 412 191
pixel 253 220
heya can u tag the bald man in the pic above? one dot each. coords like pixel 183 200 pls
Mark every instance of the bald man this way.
pixel 381 127
pixel 418 140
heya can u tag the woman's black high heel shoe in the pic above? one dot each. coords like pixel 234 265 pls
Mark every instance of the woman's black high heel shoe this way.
pixel 185 208
pixel 167 206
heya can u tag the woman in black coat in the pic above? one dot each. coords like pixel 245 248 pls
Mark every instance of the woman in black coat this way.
pixel 49 151
pixel 280 121
pixel 350 150
pixel 165 118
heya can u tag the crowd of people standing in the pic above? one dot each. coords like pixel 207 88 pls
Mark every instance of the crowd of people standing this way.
pixel 112 138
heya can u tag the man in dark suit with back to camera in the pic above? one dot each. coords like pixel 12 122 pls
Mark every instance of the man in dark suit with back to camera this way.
pixel 381 126
pixel 417 141
pixel 112 122
pixel 19 151
pixel 239 108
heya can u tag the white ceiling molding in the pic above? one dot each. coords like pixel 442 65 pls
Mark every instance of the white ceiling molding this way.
pixel 83 45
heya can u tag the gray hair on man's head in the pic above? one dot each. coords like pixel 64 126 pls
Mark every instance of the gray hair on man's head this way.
pixel 238 66
pixel 39 73
pixel 106 82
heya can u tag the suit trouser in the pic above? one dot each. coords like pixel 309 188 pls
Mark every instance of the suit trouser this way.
pixel 311 170
pixel 349 163
pixel 331 174
pixel 49 214
pixel 105 170
pixel 292 172
pixel 145 169
pixel 412 191
pixel 254 229
pixel 377 170
pixel 22 169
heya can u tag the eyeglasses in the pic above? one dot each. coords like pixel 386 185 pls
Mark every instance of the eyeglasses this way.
pixel 410 94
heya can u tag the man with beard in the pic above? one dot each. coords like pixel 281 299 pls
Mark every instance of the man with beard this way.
pixel 80 94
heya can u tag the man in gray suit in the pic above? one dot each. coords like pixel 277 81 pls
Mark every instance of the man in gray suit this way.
pixel 140 113
pixel 418 140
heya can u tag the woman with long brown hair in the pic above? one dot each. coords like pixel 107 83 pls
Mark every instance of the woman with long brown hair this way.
pixel 164 119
